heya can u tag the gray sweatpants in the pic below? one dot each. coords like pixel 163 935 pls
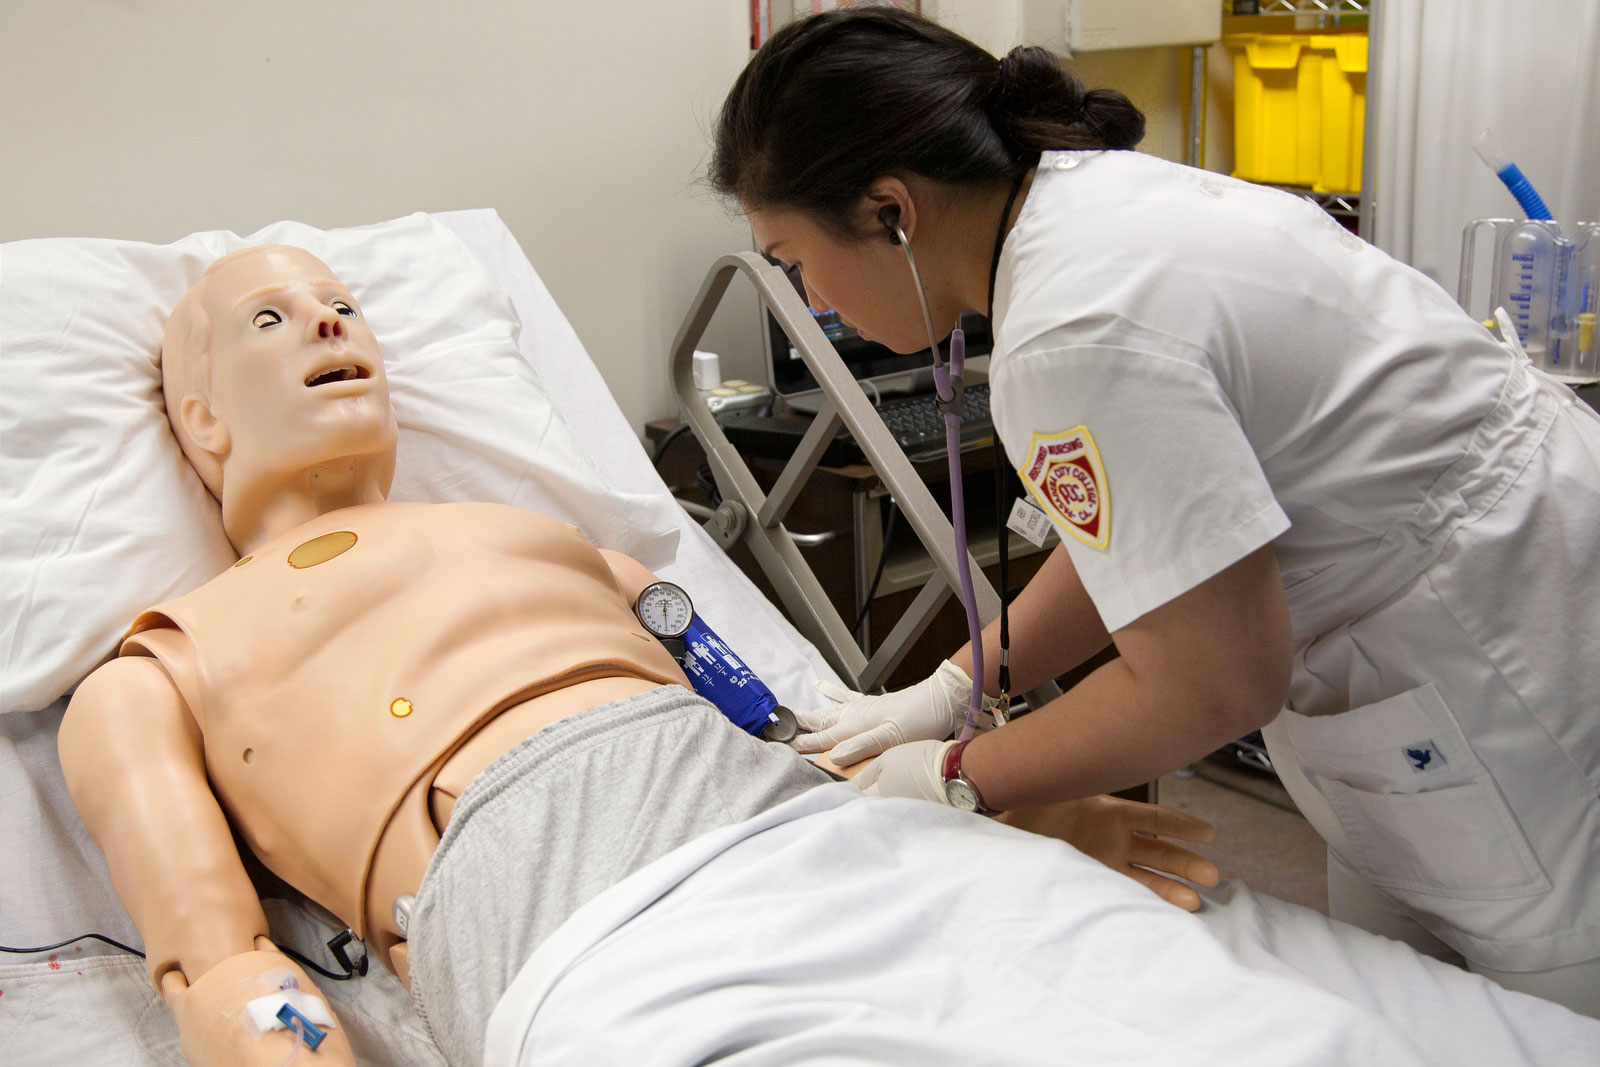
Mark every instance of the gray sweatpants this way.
pixel 572 810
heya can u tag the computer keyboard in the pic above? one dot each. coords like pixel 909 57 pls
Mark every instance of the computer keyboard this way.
pixel 918 425
pixel 913 422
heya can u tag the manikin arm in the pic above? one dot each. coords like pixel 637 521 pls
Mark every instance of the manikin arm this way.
pixel 134 763
pixel 1125 835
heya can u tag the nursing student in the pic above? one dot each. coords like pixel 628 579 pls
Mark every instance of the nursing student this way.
pixel 1297 488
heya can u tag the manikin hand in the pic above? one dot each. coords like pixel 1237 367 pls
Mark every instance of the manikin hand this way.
pixel 1119 833
pixel 215 1029
pixel 855 726
pixel 1122 834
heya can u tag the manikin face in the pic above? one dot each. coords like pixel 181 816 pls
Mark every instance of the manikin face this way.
pixel 868 281
pixel 296 376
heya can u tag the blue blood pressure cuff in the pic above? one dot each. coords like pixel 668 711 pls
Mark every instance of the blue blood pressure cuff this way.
pixel 724 679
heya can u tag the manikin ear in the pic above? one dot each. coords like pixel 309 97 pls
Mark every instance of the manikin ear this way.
pixel 888 198
pixel 202 426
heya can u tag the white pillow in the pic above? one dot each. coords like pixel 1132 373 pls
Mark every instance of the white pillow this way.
pixel 100 515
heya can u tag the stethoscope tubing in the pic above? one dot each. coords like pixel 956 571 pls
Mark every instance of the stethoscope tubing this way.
pixel 946 380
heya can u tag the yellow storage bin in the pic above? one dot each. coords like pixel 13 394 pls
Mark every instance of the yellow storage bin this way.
pixel 1299 101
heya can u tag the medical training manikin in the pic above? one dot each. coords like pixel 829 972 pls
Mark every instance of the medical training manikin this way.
pixel 334 690
pixel 331 695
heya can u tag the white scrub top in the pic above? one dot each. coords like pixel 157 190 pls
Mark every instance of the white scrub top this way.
pixel 1188 367
pixel 1246 369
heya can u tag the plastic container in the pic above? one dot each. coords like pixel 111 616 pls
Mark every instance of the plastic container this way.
pixel 1299 104
pixel 1343 110
pixel 1547 279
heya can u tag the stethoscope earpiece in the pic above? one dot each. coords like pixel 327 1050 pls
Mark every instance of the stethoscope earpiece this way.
pixel 890 217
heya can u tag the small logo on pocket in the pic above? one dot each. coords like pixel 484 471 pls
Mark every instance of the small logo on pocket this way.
pixel 1424 756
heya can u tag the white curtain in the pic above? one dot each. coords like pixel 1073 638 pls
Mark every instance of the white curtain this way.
pixel 1448 68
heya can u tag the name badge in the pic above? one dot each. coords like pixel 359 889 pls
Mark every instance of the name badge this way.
pixel 1029 521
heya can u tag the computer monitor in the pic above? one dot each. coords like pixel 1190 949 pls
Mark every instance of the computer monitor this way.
pixel 867 360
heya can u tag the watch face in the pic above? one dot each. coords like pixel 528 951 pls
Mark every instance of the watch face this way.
pixel 665 609
pixel 961 795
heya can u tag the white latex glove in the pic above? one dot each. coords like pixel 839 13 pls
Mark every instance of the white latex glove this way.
pixel 914 770
pixel 857 726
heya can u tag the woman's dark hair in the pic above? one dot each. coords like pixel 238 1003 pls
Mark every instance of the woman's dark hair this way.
pixel 834 101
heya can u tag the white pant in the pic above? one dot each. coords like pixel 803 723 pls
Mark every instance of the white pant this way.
pixel 1352 900
pixel 1446 744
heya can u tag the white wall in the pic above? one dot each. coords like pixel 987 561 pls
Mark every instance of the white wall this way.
pixel 583 123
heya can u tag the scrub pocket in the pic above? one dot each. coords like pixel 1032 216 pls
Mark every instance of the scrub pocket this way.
pixel 1421 812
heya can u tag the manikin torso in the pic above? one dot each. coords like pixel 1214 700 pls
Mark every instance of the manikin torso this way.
pixel 353 673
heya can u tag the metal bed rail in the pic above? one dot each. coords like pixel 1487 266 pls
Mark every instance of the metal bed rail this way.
pixel 753 517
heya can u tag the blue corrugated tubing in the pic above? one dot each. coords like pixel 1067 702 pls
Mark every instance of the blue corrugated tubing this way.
pixel 1521 188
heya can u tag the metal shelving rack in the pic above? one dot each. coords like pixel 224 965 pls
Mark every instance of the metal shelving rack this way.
pixel 1314 7
pixel 1342 206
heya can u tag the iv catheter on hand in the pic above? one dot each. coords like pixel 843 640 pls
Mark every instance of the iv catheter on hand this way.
pixel 949 388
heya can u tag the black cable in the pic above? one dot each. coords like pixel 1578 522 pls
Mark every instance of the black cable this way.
pixel 354 971
pixel 1002 495
pixel 706 482
pixel 81 937
pixel 666 443
pixel 1003 679
pixel 883 559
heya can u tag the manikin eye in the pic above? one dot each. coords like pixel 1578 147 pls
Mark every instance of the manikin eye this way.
pixel 266 318
pixel 342 308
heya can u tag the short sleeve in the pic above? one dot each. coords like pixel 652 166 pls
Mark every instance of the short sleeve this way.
pixel 1140 462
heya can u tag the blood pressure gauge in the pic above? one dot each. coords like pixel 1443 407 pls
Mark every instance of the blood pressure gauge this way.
pixel 666 611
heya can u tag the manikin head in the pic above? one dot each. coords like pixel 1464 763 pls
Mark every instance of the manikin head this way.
pixel 274 384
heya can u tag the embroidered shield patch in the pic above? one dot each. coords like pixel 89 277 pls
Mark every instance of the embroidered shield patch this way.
pixel 1064 474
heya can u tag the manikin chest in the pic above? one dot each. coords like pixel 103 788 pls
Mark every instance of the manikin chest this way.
pixel 366 584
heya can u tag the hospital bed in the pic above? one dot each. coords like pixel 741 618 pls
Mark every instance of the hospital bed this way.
pixel 102 517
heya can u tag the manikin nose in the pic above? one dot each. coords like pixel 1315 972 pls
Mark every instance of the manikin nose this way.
pixel 326 329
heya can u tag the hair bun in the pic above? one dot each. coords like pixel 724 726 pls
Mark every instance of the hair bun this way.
pixel 1031 82
pixel 1112 119
pixel 1036 104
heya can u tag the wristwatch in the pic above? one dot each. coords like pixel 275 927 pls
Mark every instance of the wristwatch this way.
pixel 959 792
pixel 666 611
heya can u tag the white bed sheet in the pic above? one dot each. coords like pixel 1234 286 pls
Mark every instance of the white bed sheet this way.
pixel 838 928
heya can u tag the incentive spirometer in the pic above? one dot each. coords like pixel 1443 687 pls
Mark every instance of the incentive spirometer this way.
pixel 1546 276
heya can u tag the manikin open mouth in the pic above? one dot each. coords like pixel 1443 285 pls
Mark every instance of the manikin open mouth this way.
pixel 349 372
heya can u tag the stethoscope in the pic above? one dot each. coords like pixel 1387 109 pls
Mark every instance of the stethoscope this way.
pixel 949 389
